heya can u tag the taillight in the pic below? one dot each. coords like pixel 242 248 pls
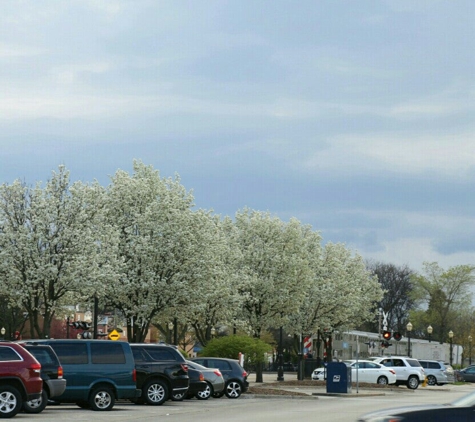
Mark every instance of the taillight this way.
pixel 202 377
pixel 218 372
pixel 244 374
pixel 60 372
pixel 184 366
pixel 36 367
pixel 134 375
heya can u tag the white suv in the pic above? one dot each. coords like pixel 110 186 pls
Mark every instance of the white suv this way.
pixel 409 371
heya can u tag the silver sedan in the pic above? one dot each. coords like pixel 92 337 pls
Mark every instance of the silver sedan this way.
pixel 213 378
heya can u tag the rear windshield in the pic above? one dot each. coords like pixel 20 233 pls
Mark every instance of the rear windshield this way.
pixel 44 355
pixel 413 362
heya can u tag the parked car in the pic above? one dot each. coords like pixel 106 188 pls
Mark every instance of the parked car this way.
pixel 161 372
pixel 371 372
pixel 319 374
pixel 437 372
pixel 234 375
pixel 98 372
pixel 409 372
pixel 214 380
pixel 466 374
pixel 20 379
pixel 51 373
pixel 461 410
pixel 197 385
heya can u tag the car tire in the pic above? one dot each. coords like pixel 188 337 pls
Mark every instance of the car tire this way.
pixel 431 380
pixel 218 395
pixel 36 406
pixel 178 396
pixel 382 380
pixel 155 393
pixel 206 393
pixel 10 398
pixel 233 389
pixel 102 399
pixel 413 382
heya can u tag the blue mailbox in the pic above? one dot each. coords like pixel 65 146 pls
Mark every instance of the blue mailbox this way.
pixel 338 378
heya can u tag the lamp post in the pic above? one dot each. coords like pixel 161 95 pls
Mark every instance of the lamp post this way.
pixel 429 331
pixel 469 350
pixel 409 329
pixel 3 333
pixel 451 337
pixel 170 328
pixel 280 364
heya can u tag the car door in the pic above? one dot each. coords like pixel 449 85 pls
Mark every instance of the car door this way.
pixel 469 374
pixel 358 371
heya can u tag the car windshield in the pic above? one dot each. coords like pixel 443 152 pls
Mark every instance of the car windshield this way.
pixel 465 401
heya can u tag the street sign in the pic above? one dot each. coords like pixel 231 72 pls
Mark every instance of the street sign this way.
pixel 114 335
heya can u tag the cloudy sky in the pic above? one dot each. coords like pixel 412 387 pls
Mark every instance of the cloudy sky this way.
pixel 356 116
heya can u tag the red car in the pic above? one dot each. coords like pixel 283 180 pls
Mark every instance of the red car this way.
pixel 20 378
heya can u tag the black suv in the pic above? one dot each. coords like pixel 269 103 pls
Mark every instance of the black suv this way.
pixel 51 373
pixel 235 377
pixel 161 372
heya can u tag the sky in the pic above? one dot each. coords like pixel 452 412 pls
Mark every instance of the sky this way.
pixel 355 117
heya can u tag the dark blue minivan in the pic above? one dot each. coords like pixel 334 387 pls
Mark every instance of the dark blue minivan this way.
pixel 97 372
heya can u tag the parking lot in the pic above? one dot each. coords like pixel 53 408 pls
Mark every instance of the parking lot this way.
pixel 272 408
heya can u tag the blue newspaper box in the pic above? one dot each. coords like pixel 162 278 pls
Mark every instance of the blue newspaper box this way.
pixel 338 378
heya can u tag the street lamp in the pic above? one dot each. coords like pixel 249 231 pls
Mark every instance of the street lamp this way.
pixel 409 329
pixel 3 333
pixel 429 331
pixel 170 328
pixel 280 364
pixel 451 337
pixel 469 350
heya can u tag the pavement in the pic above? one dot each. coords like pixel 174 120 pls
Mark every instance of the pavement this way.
pixel 320 389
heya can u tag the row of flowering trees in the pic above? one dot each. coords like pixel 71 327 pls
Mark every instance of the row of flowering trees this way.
pixel 140 245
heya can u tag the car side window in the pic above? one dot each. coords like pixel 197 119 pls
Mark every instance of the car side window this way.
pixel 8 354
pixel 434 365
pixel 219 364
pixel 139 355
pixel 386 362
pixel 398 362
pixel 159 354
pixel 424 364
pixel 70 353
pixel 371 365
pixel 107 353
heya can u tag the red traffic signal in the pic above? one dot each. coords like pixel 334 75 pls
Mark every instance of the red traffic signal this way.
pixel 397 336
pixel 387 335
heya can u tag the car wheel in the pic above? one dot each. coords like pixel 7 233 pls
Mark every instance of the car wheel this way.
pixel 382 381
pixel 233 390
pixel 10 401
pixel 206 393
pixel 155 392
pixel 178 396
pixel 102 398
pixel 38 405
pixel 431 380
pixel 218 395
pixel 413 382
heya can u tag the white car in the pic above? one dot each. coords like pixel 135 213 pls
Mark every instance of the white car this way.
pixel 319 374
pixel 371 372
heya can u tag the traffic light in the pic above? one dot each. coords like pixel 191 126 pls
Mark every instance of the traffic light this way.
pixel 87 334
pixel 85 325
pixel 385 344
pixel 397 336
pixel 387 335
pixel 76 325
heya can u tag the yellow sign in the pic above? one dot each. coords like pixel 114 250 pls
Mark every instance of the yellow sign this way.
pixel 114 335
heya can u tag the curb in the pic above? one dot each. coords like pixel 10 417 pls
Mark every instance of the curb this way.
pixel 277 396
